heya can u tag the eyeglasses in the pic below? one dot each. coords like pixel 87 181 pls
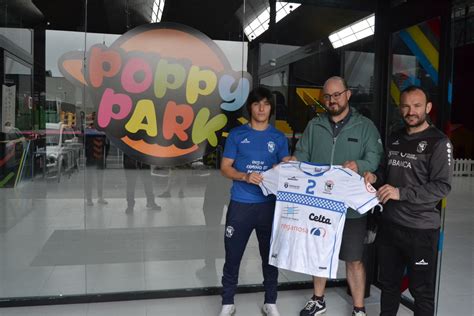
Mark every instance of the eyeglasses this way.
pixel 335 95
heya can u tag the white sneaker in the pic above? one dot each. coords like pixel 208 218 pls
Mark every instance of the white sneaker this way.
pixel 227 310
pixel 270 310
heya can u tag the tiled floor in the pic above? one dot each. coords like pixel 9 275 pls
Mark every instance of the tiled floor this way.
pixel 51 243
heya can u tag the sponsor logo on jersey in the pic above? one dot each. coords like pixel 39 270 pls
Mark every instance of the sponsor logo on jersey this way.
pixel 409 156
pixel 399 163
pixel 421 146
pixel 396 142
pixel 328 186
pixel 370 188
pixel 245 141
pixel 256 166
pixel 274 255
pixel 271 146
pixel 319 218
pixel 402 154
pixel 289 212
pixel 318 231
pixel 291 186
pixel 322 268
pixel 422 262
pixel 293 228
pixel 229 231
pixel 293 178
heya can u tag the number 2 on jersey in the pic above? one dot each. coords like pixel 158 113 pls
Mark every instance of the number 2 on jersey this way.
pixel 310 187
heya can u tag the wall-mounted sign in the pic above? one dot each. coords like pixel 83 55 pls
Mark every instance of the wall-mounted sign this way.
pixel 162 91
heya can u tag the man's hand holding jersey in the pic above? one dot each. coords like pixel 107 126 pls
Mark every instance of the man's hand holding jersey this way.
pixel 228 171
pixel 253 178
pixel 385 192
pixel 289 158
pixel 351 164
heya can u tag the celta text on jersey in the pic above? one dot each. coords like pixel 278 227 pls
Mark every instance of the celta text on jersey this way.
pixel 161 91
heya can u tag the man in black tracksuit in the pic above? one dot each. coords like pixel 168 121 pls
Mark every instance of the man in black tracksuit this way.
pixel 415 175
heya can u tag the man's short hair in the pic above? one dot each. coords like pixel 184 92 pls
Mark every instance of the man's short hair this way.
pixel 337 78
pixel 412 88
pixel 257 95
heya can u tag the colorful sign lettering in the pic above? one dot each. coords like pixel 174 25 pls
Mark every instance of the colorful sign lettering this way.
pixel 163 91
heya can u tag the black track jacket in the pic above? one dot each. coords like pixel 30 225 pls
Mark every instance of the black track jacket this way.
pixel 421 166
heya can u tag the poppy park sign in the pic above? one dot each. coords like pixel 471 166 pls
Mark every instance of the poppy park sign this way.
pixel 162 91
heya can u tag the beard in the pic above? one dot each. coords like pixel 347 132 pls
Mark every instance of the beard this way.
pixel 421 120
pixel 335 111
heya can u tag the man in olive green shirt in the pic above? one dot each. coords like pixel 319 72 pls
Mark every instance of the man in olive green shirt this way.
pixel 344 137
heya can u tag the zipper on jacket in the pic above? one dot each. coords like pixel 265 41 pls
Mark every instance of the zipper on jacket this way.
pixel 334 139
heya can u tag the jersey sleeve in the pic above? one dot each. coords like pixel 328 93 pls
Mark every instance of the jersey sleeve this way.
pixel 269 185
pixel 355 193
pixel 230 148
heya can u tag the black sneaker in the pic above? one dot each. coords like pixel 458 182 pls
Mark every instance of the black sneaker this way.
pixel 313 308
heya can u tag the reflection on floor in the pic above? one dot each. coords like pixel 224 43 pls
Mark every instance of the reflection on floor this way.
pixel 53 243
pixel 289 303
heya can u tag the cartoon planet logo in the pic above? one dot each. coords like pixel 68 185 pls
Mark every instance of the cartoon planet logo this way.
pixel 163 91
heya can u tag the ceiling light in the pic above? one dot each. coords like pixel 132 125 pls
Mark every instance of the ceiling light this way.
pixel 353 32
pixel 261 23
pixel 157 11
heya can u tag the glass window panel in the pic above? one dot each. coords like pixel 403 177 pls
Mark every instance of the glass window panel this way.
pixel 20 36
pixel 83 182
pixel 413 66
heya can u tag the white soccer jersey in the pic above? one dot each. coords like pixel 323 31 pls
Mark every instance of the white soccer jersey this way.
pixel 312 201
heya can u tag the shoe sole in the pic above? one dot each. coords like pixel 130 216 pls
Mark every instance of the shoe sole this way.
pixel 264 313
pixel 232 312
pixel 320 312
